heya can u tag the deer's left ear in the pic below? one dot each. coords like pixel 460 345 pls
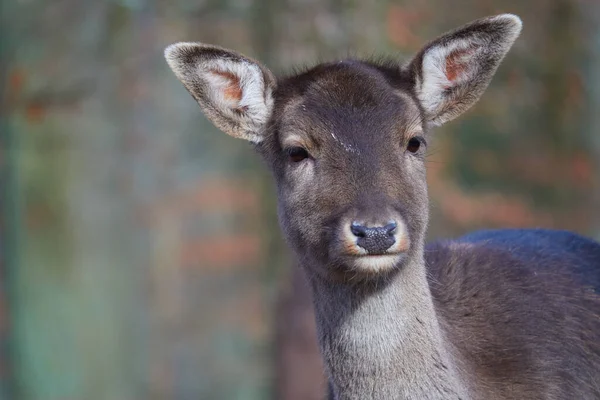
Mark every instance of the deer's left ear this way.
pixel 234 91
pixel 453 71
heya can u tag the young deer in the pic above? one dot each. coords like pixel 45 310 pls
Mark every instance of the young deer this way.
pixel 508 314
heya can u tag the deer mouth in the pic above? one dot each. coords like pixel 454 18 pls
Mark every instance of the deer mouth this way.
pixel 376 263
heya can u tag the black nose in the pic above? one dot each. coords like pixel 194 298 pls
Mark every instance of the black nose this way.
pixel 375 240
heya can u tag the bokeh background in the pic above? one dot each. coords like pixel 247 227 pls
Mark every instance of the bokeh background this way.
pixel 139 252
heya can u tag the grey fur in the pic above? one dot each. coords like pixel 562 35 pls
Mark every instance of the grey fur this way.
pixel 494 315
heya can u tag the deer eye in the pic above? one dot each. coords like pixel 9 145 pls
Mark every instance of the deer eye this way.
pixel 297 154
pixel 414 144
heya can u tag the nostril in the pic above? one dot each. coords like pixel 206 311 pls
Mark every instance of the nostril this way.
pixel 374 239
pixel 358 230
pixel 390 228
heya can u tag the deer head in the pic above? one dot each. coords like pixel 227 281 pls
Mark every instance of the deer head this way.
pixel 346 140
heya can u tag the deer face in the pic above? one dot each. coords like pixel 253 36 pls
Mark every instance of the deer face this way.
pixel 347 146
pixel 346 141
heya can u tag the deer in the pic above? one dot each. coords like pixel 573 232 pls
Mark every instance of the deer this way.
pixel 495 314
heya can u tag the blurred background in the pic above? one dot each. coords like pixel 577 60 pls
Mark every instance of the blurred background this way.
pixel 139 252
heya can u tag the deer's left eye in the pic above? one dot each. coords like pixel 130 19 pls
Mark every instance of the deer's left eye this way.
pixel 297 154
pixel 414 144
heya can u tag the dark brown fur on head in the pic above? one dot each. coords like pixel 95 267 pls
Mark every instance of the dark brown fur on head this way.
pixel 355 119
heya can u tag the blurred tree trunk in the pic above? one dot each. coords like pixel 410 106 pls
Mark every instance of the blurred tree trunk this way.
pixel 299 369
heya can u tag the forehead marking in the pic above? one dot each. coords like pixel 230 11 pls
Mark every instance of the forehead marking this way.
pixel 348 147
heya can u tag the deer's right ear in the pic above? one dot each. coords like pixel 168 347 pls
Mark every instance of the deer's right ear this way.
pixel 234 91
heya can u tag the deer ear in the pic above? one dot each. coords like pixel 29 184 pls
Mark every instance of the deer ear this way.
pixel 453 71
pixel 234 91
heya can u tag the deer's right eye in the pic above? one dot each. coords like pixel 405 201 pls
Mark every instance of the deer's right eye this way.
pixel 297 154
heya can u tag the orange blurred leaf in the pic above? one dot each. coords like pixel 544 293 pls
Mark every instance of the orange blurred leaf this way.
pixel 35 113
pixel 16 81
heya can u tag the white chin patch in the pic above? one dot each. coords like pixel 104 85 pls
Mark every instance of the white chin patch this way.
pixel 375 264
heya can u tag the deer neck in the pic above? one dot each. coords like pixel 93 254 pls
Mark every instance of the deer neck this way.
pixel 383 340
